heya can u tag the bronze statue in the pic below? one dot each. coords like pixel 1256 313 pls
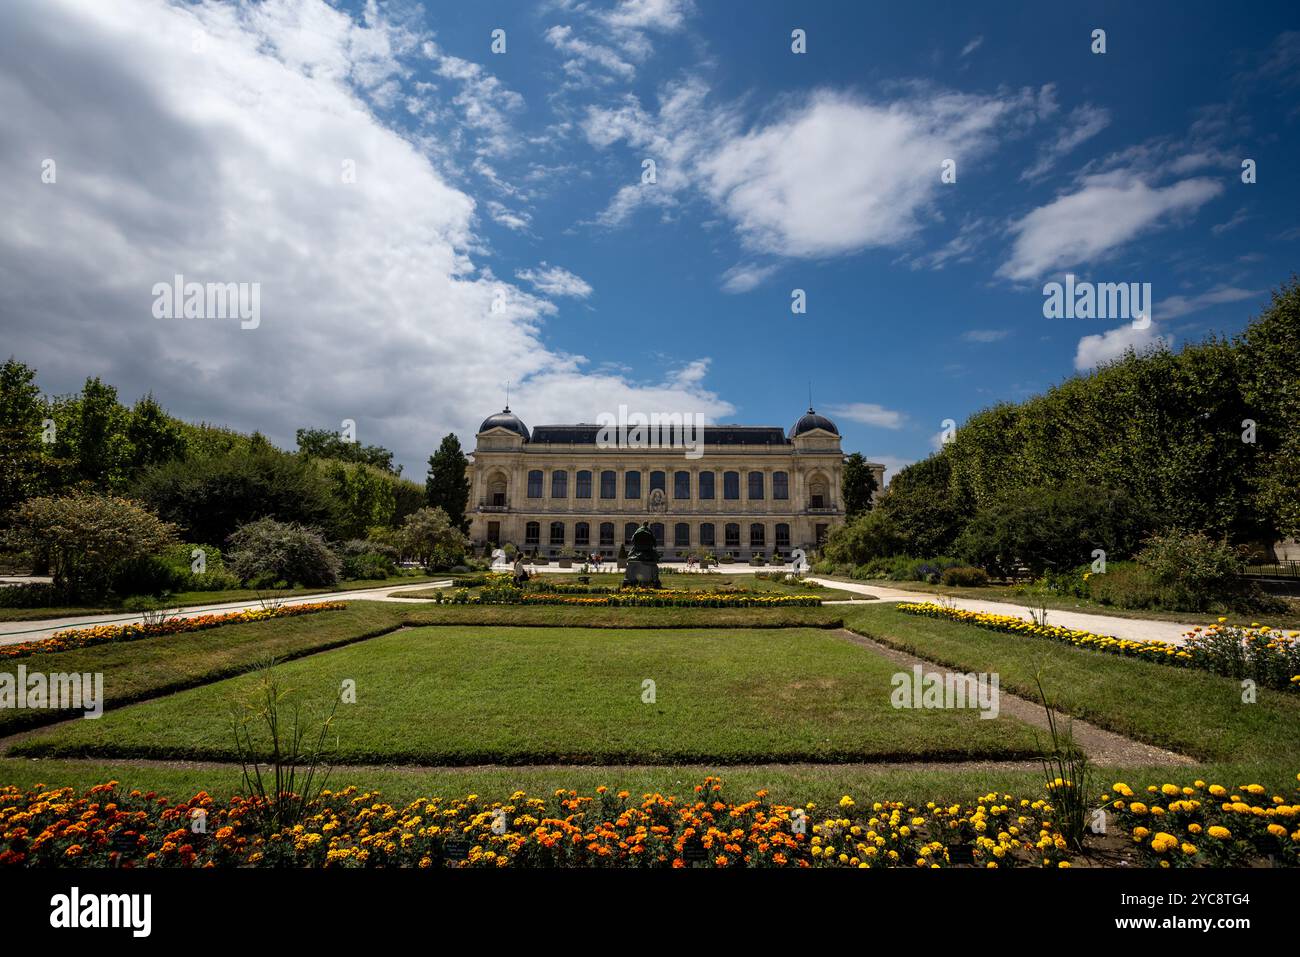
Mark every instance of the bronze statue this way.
pixel 643 545
pixel 642 560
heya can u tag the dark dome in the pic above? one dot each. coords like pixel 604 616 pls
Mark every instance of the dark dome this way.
pixel 505 419
pixel 811 420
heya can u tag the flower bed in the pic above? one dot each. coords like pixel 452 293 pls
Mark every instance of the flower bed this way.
pixel 105 827
pixel 1259 652
pixel 102 634
pixel 634 598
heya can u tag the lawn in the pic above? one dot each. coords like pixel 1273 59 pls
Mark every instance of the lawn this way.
pixel 691 582
pixel 473 695
pixel 1183 709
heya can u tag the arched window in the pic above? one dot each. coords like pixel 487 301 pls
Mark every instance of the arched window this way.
pixel 681 535
pixel 557 533
pixel 706 485
pixel 628 531
pixel 731 485
pixel 533 533
pixel 658 480
pixel 782 535
pixel 582 534
pixel 607 534
pixel 732 535
pixel 535 483
pixel 658 529
pixel 780 485
pixel 632 485
pixel 559 484
pixel 706 535
pixel 609 484
pixel 755 485
pixel 582 485
pixel 681 484
pixel 756 538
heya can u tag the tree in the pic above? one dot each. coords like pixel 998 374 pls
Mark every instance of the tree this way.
pixel 93 434
pixel 25 469
pixel 213 494
pixel 88 538
pixel 857 485
pixel 446 487
pixel 429 537
pixel 923 507
pixel 324 444
pixel 154 435
pixel 870 535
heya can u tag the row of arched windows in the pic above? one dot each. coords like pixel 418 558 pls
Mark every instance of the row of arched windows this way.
pixel 705 537
pixel 706 489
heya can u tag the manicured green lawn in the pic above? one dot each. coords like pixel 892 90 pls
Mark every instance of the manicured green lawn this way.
pixel 691 582
pixel 1190 711
pixel 463 696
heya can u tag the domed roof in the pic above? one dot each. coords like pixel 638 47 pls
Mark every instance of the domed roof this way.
pixel 811 420
pixel 505 419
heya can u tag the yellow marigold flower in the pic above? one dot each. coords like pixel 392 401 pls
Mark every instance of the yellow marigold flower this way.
pixel 1219 833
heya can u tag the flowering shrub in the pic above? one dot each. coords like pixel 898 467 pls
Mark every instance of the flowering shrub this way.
pixel 102 634
pixel 350 828
pixel 1259 652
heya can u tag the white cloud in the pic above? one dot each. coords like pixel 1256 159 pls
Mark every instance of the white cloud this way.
pixel 566 40
pixel 839 173
pixel 743 277
pixel 1095 350
pixel 224 165
pixel 514 219
pixel 1082 125
pixel 972 46
pixel 1103 213
pixel 1176 306
pixel 985 335
pixel 868 413
pixel 555 281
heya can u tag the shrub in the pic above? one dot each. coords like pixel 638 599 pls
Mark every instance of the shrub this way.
pixel 367 567
pixel 1190 570
pixel 31 595
pixel 964 576
pixel 88 538
pixel 870 535
pixel 267 551
pixel 1124 585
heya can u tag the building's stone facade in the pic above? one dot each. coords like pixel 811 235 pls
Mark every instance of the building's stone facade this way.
pixel 752 489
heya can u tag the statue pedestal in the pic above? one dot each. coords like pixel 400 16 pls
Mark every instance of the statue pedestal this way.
pixel 641 574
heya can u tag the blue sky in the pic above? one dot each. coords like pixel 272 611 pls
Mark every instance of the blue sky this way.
pixel 205 139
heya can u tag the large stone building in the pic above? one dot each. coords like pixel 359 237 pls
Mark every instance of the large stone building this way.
pixel 562 489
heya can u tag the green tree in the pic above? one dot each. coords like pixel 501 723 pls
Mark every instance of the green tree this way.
pixel 87 538
pixel 857 485
pixel 93 434
pixel 25 467
pixel 324 444
pixel 446 487
pixel 154 435
pixel 211 495
pixel 924 507
pixel 870 535
pixel 1270 381
pixel 430 537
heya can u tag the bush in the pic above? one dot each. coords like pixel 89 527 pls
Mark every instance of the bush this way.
pixel 267 552
pixel 871 535
pixel 31 595
pixel 1124 585
pixel 367 567
pixel 89 539
pixel 1190 570
pixel 964 576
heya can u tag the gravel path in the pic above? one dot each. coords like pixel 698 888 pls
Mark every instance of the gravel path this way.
pixel 1135 629
pixel 14 632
